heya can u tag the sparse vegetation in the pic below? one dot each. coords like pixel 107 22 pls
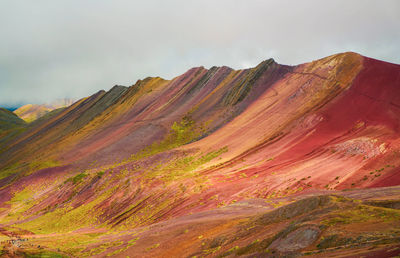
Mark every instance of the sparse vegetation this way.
pixel 76 179
pixel 182 132
pixel 100 174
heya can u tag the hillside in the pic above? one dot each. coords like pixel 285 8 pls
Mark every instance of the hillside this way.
pixel 268 161
pixel 9 121
pixel 10 126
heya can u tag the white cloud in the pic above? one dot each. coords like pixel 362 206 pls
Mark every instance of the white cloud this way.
pixel 69 48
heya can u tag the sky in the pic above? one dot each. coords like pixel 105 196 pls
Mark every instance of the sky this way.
pixel 73 48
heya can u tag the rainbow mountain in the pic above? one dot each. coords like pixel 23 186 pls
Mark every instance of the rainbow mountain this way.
pixel 270 161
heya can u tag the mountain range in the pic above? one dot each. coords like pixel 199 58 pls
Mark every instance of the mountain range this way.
pixel 270 161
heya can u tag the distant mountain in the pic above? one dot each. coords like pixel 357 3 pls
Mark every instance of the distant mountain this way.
pixel 272 161
pixel 31 112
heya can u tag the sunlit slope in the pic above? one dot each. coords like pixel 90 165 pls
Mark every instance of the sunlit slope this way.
pixel 333 123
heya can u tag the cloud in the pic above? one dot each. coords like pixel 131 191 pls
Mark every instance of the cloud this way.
pixel 69 48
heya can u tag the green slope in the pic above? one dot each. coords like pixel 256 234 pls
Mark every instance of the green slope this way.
pixel 10 121
pixel 10 126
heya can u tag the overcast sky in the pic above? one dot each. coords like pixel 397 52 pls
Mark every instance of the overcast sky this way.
pixel 53 49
